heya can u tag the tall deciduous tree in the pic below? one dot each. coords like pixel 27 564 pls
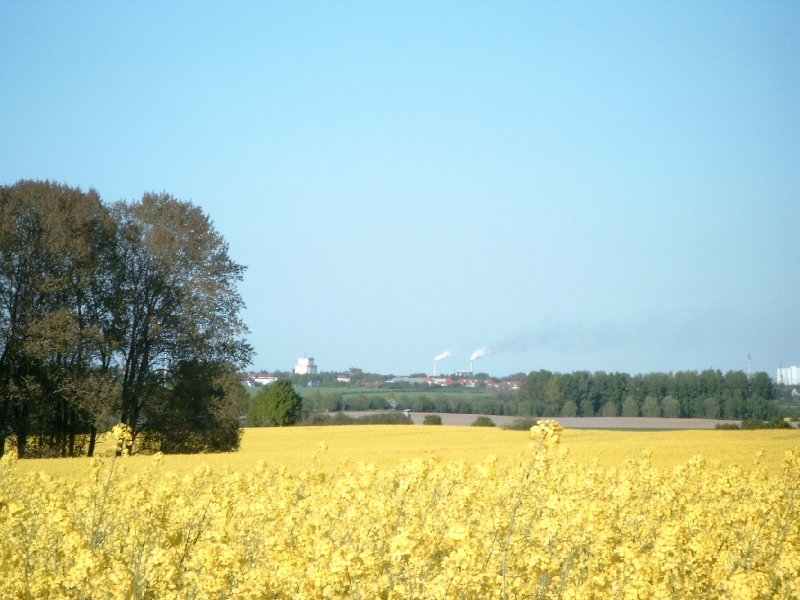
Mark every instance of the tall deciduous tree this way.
pixel 651 407
pixel 106 313
pixel 532 393
pixel 630 407
pixel 56 245
pixel 182 305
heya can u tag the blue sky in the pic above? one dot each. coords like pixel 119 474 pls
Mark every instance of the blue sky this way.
pixel 575 186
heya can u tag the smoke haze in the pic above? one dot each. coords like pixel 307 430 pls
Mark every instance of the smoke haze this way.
pixel 479 353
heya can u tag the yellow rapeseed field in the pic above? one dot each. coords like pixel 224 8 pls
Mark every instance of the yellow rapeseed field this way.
pixel 413 512
pixel 389 445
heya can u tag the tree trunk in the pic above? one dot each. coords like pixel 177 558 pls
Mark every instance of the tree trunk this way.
pixel 22 428
pixel 22 442
pixel 92 441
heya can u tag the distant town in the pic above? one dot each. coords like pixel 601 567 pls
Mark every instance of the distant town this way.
pixel 305 366
pixel 709 394
pixel 306 372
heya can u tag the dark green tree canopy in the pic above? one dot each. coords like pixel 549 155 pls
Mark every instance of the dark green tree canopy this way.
pixel 177 266
pixel 278 404
pixel 107 312
pixel 687 394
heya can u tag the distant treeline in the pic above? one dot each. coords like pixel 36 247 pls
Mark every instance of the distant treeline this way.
pixel 416 398
pixel 689 394
pixel 708 394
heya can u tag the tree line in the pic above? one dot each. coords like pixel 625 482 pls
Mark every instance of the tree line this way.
pixel 688 394
pixel 116 313
pixel 416 398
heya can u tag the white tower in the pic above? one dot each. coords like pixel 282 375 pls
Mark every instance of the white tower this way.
pixel 305 366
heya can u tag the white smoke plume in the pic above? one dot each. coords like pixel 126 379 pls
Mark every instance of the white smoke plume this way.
pixel 443 355
pixel 479 353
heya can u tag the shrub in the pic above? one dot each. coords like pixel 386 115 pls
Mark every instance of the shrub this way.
pixel 483 422
pixel 387 418
pixel 776 423
pixel 432 420
pixel 521 423
pixel 328 419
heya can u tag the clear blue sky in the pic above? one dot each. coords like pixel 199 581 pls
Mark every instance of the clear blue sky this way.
pixel 574 185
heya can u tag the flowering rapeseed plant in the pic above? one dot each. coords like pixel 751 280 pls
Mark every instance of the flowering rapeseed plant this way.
pixel 541 525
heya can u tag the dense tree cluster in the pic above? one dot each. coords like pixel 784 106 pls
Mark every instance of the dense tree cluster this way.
pixel 115 313
pixel 431 400
pixel 688 394
pixel 275 405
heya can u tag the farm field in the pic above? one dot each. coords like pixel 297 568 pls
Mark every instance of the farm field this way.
pixel 569 422
pixel 414 512
pixel 389 445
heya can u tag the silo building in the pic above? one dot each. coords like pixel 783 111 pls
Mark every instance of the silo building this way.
pixel 305 366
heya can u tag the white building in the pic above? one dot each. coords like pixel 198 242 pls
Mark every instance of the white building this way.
pixel 789 376
pixel 305 366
